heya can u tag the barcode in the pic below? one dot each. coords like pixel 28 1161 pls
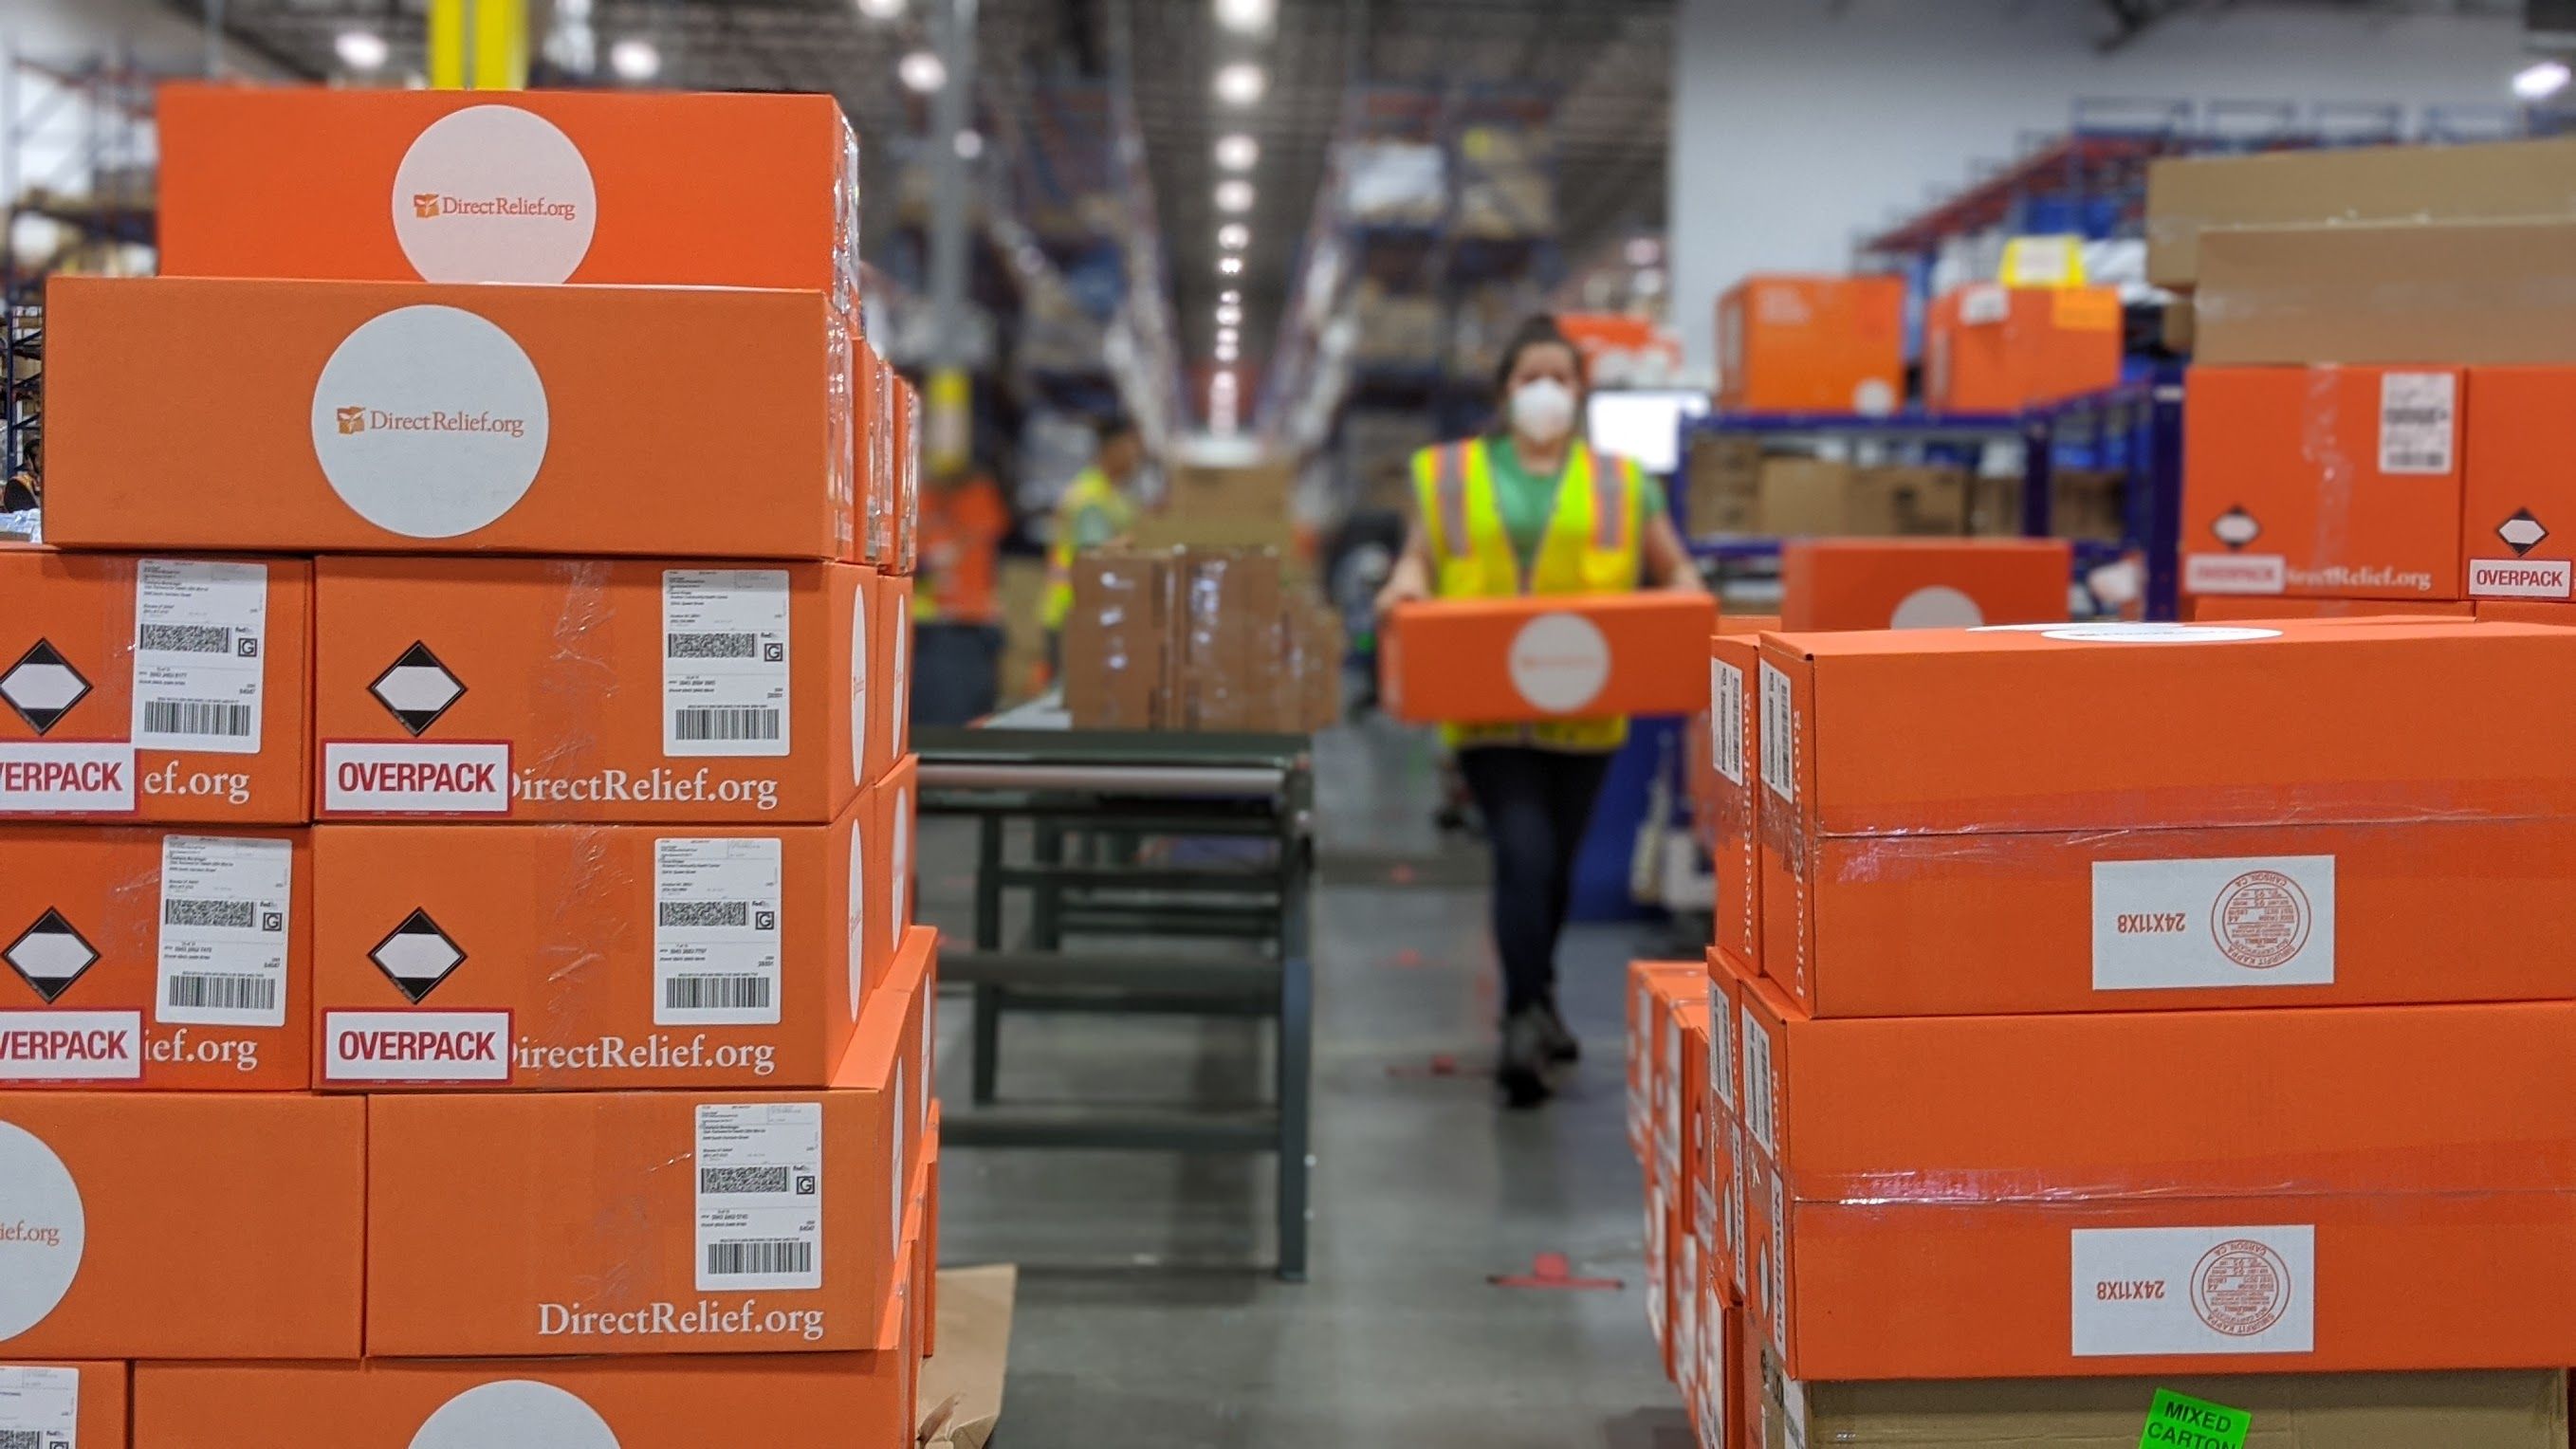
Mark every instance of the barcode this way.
pixel 713 1180
pixel 711 646
pixel 716 993
pixel 2419 460
pixel 25 1439
pixel 195 717
pixel 709 723
pixel 777 1255
pixel 183 639
pixel 239 915
pixel 2419 417
pixel 223 993
pixel 705 913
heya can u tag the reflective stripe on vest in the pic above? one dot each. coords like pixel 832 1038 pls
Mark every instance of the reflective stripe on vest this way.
pixel 1449 486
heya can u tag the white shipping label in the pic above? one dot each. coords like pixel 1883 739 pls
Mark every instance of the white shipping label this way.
pixel 1759 1117
pixel 1668 1078
pixel 2241 921
pixel 1726 719
pixel 39 1407
pixel 1778 735
pixel 724 662
pixel 716 931
pixel 760 1196
pixel 225 905
pixel 200 647
pixel 2418 421
pixel 1779 1263
pixel 1721 1058
pixel 2194 1290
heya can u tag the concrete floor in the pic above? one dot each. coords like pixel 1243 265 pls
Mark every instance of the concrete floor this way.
pixel 1147 1319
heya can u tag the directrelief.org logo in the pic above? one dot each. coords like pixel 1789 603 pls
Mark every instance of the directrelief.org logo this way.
pixel 704 1318
pixel 429 421
pixel 354 420
pixel 431 205
pixel 494 192
pixel 43 1230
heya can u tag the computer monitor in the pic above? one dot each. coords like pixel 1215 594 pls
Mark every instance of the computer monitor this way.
pixel 1644 425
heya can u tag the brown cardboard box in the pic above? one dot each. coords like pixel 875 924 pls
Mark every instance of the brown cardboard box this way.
pixel 2086 504
pixel 2452 293
pixel 2524 1409
pixel 2186 198
pixel 1725 485
pixel 1229 608
pixel 1994 507
pixel 1806 497
pixel 1116 641
pixel 1259 491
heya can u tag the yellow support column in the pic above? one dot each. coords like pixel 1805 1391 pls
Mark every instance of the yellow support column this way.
pixel 479 45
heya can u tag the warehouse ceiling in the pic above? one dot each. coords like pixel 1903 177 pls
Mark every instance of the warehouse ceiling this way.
pixel 1603 66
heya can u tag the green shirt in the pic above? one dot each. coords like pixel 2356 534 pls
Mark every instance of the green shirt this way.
pixel 1527 502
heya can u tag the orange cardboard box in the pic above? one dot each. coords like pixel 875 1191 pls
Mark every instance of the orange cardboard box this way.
pixel 2514 485
pixel 324 417
pixel 64 1404
pixel 897 804
pixel 1510 661
pixel 907 476
pixel 153 1225
pixel 2237 608
pixel 589 957
pixel 1645 986
pixel 1923 583
pixel 2342 482
pixel 534 186
pixel 1674 993
pixel 1734 847
pixel 1811 344
pixel 164 959
pixel 1948 1186
pixel 159 690
pixel 1712 1412
pixel 1994 349
pixel 593 691
pixel 510 1224
pixel 925 1266
pixel 889 729
pixel 1697 1201
pixel 2520 611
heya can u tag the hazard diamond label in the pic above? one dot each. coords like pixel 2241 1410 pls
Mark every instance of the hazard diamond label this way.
pixel 2522 533
pixel 416 689
pixel 2236 527
pixel 417 956
pixel 42 686
pixel 49 956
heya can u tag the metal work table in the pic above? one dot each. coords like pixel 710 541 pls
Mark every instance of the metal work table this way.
pixel 1090 800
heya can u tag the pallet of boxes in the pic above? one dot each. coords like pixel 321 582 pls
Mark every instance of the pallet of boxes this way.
pixel 2195 1073
pixel 1202 639
pixel 459 982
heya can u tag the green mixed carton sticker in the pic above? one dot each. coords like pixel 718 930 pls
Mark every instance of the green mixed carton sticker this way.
pixel 2179 1421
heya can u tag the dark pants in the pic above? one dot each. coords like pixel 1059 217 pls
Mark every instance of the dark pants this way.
pixel 1536 804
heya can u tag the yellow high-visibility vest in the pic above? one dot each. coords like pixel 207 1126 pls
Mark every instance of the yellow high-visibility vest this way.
pixel 1089 489
pixel 1594 545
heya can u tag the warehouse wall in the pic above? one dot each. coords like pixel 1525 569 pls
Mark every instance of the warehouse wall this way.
pixel 1801 124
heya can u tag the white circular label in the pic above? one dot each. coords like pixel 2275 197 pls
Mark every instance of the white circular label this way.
pixel 493 193
pixel 899 877
pixel 858 918
pixel 1559 662
pixel 859 684
pixel 42 1230
pixel 515 1414
pixel 1936 606
pixel 1873 398
pixel 902 673
pixel 2157 633
pixel 429 421
pixel 894 1205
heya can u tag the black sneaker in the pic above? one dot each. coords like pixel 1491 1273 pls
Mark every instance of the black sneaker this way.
pixel 1522 1070
pixel 1562 1046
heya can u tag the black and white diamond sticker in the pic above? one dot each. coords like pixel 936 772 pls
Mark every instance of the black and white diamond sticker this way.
pixel 2522 533
pixel 42 686
pixel 2236 527
pixel 417 955
pixel 416 689
pixel 50 956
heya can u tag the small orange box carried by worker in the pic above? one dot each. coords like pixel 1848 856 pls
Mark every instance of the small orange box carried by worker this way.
pixel 589 690
pixel 2146 865
pixel 2340 482
pixel 443 418
pixel 154 690
pixel 534 186
pixel 511 1224
pixel 591 956
pixel 64 1405
pixel 181 1225
pixel 175 959
pixel 1989 348
pixel 2518 517
pixel 1923 583
pixel 1812 344
pixel 1965 1178
pixel 1537 659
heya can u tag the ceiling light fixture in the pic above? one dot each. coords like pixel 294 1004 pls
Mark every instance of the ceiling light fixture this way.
pixel 970 144
pixel 882 9
pixel 1234 236
pixel 922 72
pixel 360 49
pixel 1229 315
pixel 1237 152
pixel 1241 83
pixel 2540 81
pixel 1230 296
pixel 635 59
pixel 1236 195
pixel 1247 17
pixel 1229 266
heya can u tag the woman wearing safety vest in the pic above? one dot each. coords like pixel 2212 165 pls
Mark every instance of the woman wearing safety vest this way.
pixel 1094 512
pixel 1532 509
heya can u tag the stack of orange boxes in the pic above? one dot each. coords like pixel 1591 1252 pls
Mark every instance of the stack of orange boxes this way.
pixel 563 514
pixel 2221 1038
pixel 1991 348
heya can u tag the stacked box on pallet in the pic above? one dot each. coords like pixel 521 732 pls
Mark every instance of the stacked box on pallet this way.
pixel 579 626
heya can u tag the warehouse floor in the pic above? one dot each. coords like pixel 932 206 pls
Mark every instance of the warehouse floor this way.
pixel 1143 1320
